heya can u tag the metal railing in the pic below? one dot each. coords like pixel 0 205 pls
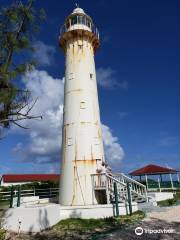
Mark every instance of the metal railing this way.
pixel 41 192
pixel 92 29
pixel 106 182
pixel 136 186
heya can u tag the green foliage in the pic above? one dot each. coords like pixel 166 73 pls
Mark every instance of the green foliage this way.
pixel 177 196
pixel 167 202
pixel 78 226
pixel 2 234
pixel 18 23
pixel 32 185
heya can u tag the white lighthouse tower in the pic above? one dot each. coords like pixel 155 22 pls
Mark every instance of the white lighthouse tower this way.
pixel 82 145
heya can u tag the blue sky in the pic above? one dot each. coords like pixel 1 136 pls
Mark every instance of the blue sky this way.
pixel 138 74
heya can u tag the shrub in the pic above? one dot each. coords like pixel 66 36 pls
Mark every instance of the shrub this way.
pixel 167 202
pixel 2 234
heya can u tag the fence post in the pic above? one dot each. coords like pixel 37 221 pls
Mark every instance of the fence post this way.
pixel 116 199
pixel 19 196
pixel 50 192
pixel 129 198
pixel 11 197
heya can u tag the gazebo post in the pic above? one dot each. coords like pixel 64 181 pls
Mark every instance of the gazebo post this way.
pixel 161 177
pixel 159 185
pixel 171 180
pixel 146 181
pixel 140 178
pixel 177 177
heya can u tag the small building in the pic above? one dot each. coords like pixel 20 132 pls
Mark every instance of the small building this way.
pixel 19 179
pixel 157 177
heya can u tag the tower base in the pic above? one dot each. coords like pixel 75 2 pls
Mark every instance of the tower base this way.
pixel 38 217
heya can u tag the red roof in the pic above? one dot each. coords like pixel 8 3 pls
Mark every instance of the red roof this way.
pixel 152 169
pixel 30 177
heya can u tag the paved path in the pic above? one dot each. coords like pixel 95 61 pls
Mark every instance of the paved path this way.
pixel 167 219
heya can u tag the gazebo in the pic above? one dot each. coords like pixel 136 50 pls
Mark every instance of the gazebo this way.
pixel 155 170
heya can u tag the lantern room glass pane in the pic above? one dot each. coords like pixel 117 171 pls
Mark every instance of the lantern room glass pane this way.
pixel 67 24
pixel 79 19
pixel 74 20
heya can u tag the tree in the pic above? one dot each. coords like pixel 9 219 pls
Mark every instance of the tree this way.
pixel 18 23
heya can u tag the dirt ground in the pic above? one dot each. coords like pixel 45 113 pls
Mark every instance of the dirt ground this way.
pixel 167 219
pixel 164 219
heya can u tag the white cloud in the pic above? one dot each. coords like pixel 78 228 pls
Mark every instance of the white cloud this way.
pixel 44 136
pixel 113 150
pixel 106 77
pixel 44 54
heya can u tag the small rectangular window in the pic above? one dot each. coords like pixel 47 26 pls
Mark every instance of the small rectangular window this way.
pixel 82 105
pixel 91 76
pixel 74 20
pixel 80 19
pixel 69 142
pixel 71 76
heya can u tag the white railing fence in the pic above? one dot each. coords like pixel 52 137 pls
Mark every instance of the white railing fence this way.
pixel 41 192
pixel 106 182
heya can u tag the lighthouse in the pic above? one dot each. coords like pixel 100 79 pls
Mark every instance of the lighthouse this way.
pixel 82 144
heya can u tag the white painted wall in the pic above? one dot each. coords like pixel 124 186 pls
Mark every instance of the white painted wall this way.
pixel 31 219
pixel 37 218
pixel 160 196
pixel 94 211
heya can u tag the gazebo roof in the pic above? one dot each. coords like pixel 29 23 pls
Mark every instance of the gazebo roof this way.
pixel 152 170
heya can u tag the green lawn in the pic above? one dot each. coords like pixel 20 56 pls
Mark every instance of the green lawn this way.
pixel 96 225
pixel 83 229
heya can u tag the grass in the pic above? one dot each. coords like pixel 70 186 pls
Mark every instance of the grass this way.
pixel 167 202
pixel 4 204
pixel 84 229
pixel 177 196
pixel 89 227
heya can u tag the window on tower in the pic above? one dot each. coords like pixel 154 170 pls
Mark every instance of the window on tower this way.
pixel 82 105
pixel 74 20
pixel 88 23
pixel 71 76
pixel 79 19
pixel 91 76
pixel 69 142
pixel 68 23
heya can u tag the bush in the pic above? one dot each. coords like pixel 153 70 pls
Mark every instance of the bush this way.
pixel 177 196
pixel 167 202
pixel 2 234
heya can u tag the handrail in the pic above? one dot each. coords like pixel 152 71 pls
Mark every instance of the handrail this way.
pixel 116 180
pixel 27 192
pixel 122 180
pixel 130 179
